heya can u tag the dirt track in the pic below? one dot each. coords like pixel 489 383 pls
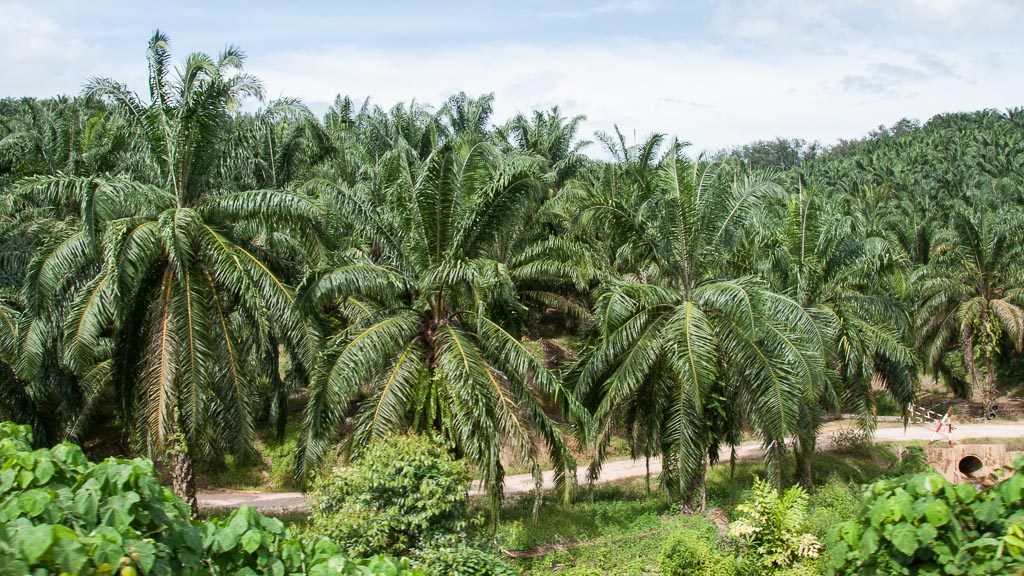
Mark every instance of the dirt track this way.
pixel 296 502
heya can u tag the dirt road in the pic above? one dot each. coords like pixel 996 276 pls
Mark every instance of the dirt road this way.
pixel 288 502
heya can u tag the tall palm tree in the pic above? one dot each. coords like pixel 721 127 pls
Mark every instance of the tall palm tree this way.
pixel 683 352
pixel 423 343
pixel 850 283
pixel 155 284
pixel 466 118
pixel 971 294
pixel 551 136
pixel 275 146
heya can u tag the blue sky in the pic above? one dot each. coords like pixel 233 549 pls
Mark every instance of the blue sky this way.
pixel 714 72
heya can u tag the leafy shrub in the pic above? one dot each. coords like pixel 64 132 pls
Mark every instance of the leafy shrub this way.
pixel 61 513
pixel 834 502
pixel 688 553
pixel 513 535
pixel 246 542
pixel 403 491
pixel 913 460
pixel 802 569
pixel 924 525
pixel 885 405
pixel 772 532
pixel 462 560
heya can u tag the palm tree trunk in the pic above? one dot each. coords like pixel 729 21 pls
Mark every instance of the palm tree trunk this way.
pixel 803 466
pixel 989 391
pixel 183 473
pixel 695 496
pixel 647 476
pixel 806 443
pixel 428 334
pixel 279 403
pixel 978 392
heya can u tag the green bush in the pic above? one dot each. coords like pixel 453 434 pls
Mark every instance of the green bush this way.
pixel 802 569
pixel 834 502
pixel 513 535
pixel 462 560
pixel 885 405
pixel 913 460
pixel 926 526
pixel 404 491
pixel 688 553
pixel 60 513
pixel 831 504
pixel 771 533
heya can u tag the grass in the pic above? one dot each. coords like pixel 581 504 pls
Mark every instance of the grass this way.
pixel 619 528
pixel 1012 444
pixel 273 471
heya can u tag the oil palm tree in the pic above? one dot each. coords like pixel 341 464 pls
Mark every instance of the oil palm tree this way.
pixel 67 135
pixel 683 352
pixel 466 118
pixel 275 146
pixel 154 286
pixel 551 136
pixel 850 283
pixel 971 296
pixel 424 343
pixel 52 399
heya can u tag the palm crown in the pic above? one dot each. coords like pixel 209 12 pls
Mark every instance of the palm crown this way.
pixel 425 311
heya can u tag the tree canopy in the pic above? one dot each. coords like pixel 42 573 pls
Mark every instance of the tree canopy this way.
pixel 177 265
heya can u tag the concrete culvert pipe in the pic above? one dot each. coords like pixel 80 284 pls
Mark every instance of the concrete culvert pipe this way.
pixel 970 465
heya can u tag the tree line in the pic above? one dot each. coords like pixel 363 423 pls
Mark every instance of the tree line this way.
pixel 165 255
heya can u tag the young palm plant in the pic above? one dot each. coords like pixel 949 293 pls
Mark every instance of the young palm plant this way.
pixel 683 352
pixel 155 283
pixel 423 343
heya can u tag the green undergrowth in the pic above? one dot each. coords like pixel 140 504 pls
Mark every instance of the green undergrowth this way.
pixel 616 529
pixel 273 471
pixel 857 465
pixel 608 508
pixel 619 528
pixel 1012 444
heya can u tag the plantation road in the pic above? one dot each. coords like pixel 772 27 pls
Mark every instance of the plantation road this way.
pixel 295 502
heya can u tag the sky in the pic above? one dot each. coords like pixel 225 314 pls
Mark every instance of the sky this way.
pixel 716 73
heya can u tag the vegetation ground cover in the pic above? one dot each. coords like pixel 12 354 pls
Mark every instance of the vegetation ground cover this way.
pixel 620 528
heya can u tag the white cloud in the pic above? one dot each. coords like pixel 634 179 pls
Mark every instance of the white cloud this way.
pixel 702 93
pixel 976 15
pixel 834 24
pixel 37 56
pixel 823 70
pixel 780 20
pixel 610 7
pixel 40 57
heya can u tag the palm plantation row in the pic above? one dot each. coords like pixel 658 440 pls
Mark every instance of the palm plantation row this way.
pixel 164 256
